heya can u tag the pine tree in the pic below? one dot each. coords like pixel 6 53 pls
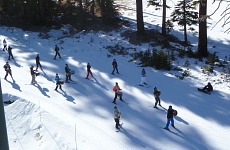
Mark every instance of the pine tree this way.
pixel 157 4
pixel 184 15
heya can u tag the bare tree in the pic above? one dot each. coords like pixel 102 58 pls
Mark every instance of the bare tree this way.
pixel 225 15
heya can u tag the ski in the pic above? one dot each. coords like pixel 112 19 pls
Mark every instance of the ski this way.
pixel 170 131
pixel 116 74
pixel 120 127
pixel 116 104
pixel 144 85
pixel 72 82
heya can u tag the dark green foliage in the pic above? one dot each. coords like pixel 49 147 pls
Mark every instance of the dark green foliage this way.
pixel 49 12
pixel 155 3
pixel 117 50
pixel 207 69
pixel 185 17
pixel 156 59
pixel 106 10
pixel 173 56
pixel 169 26
pixel 212 59
pixel 186 73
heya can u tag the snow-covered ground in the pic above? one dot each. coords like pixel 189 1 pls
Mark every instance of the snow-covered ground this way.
pixel 81 116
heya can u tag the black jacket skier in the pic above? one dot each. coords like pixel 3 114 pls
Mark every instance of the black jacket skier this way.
pixel 57 52
pixel 114 64
pixel 68 74
pixel 10 53
pixel 38 62
pixel 8 70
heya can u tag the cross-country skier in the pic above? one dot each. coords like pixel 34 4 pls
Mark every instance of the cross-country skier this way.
pixel 114 64
pixel 4 45
pixel 117 116
pixel 156 94
pixel 33 75
pixel 57 49
pixel 143 77
pixel 38 62
pixel 10 53
pixel 8 70
pixel 58 83
pixel 169 118
pixel 117 91
pixel 68 73
pixel 89 72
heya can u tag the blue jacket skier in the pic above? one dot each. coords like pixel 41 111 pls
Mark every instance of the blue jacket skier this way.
pixel 58 82
pixel 170 118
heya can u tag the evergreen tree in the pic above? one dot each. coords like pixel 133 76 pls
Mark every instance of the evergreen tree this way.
pixel 184 15
pixel 157 4
pixel 106 8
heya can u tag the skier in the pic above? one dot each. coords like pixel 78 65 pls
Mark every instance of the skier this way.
pixel 114 63
pixel 157 93
pixel 143 77
pixel 58 83
pixel 5 45
pixel 89 71
pixel 38 62
pixel 68 73
pixel 10 52
pixel 117 116
pixel 208 88
pixel 8 70
pixel 118 92
pixel 169 118
pixel 33 75
pixel 57 52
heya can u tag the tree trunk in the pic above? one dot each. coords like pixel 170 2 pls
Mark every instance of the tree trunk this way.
pixel 80 6
pixel 164 19
pixel 202 40
pixel 185 24
pixel 41 10
pixel 140 22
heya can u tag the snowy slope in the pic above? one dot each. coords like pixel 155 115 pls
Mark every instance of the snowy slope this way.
pixel 81 116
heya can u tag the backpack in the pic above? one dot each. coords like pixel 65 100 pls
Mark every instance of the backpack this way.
pixel 5 67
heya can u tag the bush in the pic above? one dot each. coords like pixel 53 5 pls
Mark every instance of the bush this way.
pixel 156 59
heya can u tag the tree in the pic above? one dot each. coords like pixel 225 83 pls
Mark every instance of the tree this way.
pixel 225 15
pixel 106 9
pixel 140 22
pixel 202 39
pixel 183 16
pixel 157 4
pixel 164 19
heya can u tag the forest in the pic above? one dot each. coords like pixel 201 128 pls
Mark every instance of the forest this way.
pixel 83 14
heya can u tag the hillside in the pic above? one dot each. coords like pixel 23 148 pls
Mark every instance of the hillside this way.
pixel 81 116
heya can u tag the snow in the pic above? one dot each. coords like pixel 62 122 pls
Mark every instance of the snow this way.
pixel 81 116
